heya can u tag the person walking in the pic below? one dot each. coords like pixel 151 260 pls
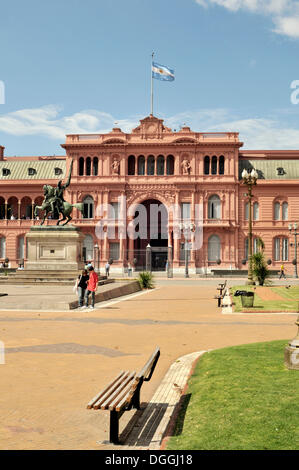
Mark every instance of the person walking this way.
pixel 282 274
pixel 92 286
pixel 82 286
pixel 107 268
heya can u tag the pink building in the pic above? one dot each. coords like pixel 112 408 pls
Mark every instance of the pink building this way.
pixel 195 176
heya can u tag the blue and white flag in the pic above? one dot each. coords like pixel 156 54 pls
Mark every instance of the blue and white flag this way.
pixel 161 72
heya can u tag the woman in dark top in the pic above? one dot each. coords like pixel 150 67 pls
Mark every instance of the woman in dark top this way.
pixel 82 286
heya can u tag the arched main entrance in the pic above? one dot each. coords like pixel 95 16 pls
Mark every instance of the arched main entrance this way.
pixel 151 229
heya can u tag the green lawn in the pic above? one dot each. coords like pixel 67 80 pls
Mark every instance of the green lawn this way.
pixel 241 398
pixel 289 304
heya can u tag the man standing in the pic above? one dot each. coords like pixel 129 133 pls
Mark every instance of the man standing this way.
pixel 91 287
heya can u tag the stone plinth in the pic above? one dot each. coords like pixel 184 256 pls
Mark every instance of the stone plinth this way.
pixel 54 248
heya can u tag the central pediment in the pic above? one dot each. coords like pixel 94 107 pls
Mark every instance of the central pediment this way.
pixel 151 127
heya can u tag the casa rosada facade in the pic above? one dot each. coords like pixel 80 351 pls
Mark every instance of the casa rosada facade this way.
pixel 196 173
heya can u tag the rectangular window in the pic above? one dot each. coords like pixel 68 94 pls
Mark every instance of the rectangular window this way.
pixel 277 249
pixel 114 251
pixel 246 249
pixel 246 211
pixel 114 210
pixel 185 211
pixel 285 211
pixel 277 211
pixel 285 249
pixel 255 246
pixel 2 247
pixel 255 211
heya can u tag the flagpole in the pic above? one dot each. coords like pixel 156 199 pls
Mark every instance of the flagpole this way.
pixel 152 87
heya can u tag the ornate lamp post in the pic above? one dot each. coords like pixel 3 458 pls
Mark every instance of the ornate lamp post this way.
pixel 250 180
pixel 293 230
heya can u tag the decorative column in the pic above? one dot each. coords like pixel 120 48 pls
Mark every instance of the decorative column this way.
pixel 19 209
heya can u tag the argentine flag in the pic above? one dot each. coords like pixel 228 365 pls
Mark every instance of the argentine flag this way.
pixel 161 72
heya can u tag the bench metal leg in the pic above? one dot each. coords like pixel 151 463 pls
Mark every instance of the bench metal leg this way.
pixel 114 427
pixel 219 302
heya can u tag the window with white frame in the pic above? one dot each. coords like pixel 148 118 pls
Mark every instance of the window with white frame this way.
pixel 114 210
pixel 284 211
pixel 277 211
pixel 246 245
pixel 114 250
pixel 185 211
pixel 281 249
pixel 246 211
pixel 214 207
pixel 256 211
pixel 214 248
pixel 88 205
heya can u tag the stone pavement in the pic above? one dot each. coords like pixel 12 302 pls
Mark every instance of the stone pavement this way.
pixel 56 361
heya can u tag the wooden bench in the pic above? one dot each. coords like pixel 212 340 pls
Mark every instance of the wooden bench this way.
pixel 221 288
pixel 123 393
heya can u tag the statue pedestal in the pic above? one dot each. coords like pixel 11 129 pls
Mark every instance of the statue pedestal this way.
pixel 54 248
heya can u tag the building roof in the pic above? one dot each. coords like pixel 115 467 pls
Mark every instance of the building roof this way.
pixel 272 169
pixel 32 170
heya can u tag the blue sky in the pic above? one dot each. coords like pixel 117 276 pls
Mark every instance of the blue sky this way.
pixel 71 66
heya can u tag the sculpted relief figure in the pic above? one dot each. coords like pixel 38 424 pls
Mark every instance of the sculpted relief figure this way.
pixel 186 167
pixel 54 201
pixel 115 167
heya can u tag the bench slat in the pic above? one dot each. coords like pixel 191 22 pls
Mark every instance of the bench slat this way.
pixel 144 372
pixel 124 397
pixel 106 395
pixel 94 399
pixel 113 397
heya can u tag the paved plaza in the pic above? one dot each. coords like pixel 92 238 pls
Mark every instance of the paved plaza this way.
pixel 56 361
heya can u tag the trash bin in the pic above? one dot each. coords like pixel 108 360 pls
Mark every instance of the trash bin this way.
pixel 247 299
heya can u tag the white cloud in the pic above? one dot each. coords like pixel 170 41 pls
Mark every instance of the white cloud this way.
pixel 284 13
pixel 258 133
pixel 48 122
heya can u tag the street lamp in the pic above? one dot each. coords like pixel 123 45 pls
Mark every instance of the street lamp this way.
pixel 97 256
pixel 295 233
pixel 186 228
pixel 249 178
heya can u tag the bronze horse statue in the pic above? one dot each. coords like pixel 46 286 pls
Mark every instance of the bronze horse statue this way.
pixel 47 206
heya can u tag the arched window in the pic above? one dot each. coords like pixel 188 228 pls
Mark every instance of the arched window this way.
pixel 281 249
pixel 95 166
pixel 221 165
pixel 214 207
pixel 141 165
pixel 207 165
pixel 88 166
pixel 131 165
pixel 213 248
pixel 285 211
pixel 88 207
pixel 277 211
pixel 255 211
pixel 88 248
pixel 81 166
pixel 160 165
pixel 214 165
pixel 2 208
pixel 150 165
pixel 170 165
pixel 2 247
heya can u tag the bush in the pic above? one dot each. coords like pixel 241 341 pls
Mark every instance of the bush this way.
pixel 146 280
pixel 259 267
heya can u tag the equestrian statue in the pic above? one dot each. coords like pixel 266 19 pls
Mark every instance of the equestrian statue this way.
pixel 54 201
